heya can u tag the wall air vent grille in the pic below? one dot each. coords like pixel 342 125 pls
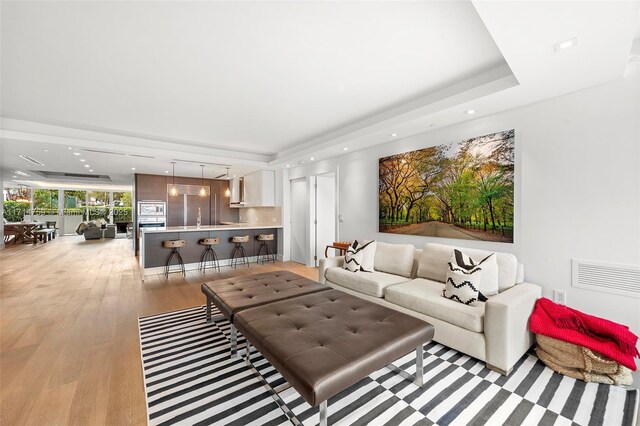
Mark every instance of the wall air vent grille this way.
pixel 611 278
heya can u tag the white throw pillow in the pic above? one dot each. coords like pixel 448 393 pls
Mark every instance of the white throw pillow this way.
pixel 489 281
pixel 353 258
pixel 369 252
pixel 463 280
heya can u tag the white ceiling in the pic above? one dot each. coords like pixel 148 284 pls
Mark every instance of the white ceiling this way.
pixel 264 84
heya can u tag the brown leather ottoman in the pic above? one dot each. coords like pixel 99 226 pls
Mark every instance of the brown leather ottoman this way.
pixel 236 294
pixel 322 343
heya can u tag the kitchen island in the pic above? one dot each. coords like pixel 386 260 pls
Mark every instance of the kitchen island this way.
pixel 153 256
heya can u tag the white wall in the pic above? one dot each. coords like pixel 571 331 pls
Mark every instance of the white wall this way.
pixel 1 203
pixel 577 188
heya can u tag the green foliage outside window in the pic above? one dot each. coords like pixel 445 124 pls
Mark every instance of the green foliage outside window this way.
pixel 122 214
pixel 15 211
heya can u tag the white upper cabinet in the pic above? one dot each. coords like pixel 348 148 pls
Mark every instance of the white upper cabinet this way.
pixel 260 189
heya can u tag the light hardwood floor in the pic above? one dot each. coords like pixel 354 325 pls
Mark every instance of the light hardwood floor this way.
pixel 69 350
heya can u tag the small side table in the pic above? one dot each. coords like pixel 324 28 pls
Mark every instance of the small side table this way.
pixel 340 246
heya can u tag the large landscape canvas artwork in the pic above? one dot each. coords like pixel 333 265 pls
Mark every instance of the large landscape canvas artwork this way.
pixel 460 190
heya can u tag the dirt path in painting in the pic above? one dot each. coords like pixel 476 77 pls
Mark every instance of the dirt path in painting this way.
pixel 445 230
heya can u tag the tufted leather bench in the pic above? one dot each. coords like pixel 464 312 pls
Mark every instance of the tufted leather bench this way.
pixel 235 294
pixel 324 342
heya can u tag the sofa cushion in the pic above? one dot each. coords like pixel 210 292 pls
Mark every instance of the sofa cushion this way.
pixel 394 258
pixel 433 265
pixel 371 283
pixel 425 296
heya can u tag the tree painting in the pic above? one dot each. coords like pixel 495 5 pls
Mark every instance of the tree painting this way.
pixel 460 190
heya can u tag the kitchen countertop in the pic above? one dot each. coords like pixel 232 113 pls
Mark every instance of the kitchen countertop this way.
pixel 235 226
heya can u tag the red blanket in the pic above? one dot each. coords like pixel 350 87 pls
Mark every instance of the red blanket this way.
pixel 609 338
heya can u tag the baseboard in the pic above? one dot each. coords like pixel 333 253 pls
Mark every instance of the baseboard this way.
pixel 159 270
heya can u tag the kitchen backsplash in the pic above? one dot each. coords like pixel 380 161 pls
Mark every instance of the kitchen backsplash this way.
pixel 262 215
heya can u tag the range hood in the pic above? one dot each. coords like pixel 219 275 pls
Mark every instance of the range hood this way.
pixel 237 192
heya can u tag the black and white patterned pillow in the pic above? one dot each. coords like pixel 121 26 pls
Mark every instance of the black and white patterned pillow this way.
pixel 353 258
pixel 463 279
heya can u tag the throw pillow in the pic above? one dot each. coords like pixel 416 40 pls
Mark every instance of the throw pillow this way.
pixel 353 258
pixel 369 252
pixel 489 282
pixel 463 280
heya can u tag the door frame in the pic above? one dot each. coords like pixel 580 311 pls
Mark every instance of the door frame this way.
pixel 309 203
pixel 306 200
pixel 315 256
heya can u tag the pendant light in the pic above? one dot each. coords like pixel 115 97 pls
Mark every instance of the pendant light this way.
pixel 173 191
pixel 203 192
pixel 227 193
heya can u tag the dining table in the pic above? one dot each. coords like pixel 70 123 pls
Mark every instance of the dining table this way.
pixel 22 231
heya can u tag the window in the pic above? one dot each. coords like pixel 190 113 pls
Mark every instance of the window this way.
pixel 98 205
pixel 17 203
pixel 122 207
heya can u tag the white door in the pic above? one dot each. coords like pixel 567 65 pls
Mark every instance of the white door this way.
pixel 298 202
pixel 325 232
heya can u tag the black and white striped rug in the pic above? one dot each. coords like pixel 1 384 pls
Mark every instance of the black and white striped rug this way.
pixel 190 379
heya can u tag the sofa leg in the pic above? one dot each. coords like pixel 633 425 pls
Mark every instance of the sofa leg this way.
pixel 499 370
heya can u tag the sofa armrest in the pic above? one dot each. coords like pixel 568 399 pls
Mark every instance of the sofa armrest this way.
pixel 327 263
pixel 506 325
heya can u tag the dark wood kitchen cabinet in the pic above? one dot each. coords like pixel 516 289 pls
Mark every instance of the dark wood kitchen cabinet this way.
pixel 193 203
pixel 214 208
pixel 175 210
pixel 220 208
pixel 150 187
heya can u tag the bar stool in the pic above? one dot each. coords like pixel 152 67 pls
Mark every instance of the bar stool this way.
pixel 268 255
pixel 238 251
pixel 209 255
pixel 174 245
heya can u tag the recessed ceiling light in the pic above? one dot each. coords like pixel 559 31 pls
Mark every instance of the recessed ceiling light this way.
pixel 288 165
pixel 82 160
pixel 166 171
pixel 45 150
pixel 346 148
pixel 76 153
pixel 311 158
pixel 470 111
pixel 90 170
pixel 86 165
pixel 565 44
pixel 133 168
pixel 393 135
pixel 69 147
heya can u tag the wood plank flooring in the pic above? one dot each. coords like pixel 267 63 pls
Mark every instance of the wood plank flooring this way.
pixel 69 351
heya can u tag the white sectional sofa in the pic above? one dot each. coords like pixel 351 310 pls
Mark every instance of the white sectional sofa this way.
pixel 411 281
